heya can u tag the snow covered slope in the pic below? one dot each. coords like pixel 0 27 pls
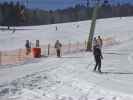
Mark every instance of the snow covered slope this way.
pixel 71 77
pixel 113 27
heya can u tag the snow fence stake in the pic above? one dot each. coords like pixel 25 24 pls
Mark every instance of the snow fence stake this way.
pixel 69 47
pixel 0 57
pixel 48 49
pixel 19 56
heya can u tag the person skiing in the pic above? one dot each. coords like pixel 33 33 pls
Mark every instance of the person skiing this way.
pixel 98 56
pixel 100 42
pixel 58 46
pixel 56 28
pixel 28 47
pixel 94 43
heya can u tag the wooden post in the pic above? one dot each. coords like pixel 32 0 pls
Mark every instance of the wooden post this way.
pixel 48 49
pixel 69 47
pixel 0 58
pixel 85 44
pixel 19 55
pixel 77 46
pixel 93 24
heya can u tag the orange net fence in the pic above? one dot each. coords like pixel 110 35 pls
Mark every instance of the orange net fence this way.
pixel 19 56
pixel 13 57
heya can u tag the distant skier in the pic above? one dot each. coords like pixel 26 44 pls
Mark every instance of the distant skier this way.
pixel 28 47
pixel 56 28
pixel 100 42
pixel 77 26
pixel 58 46
pixel 98 56
pixel 8 27
pixel 13 31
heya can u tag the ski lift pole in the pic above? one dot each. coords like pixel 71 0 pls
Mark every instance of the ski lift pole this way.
pixel 92 29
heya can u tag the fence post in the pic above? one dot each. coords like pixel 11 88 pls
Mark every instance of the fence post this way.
pixel 78 46
pixel 19 55
pixel 69 47
pixel 0 58
pixel 48 49
pixel 85 44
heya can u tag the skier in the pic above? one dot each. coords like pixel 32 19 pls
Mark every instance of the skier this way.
pixel 28 47
pixel 13 31
pixel 58 46
pixel 94 43
pixel 100 42
pixel 56 28
pixel 98 56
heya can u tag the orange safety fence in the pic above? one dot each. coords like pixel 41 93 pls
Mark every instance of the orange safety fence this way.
pixel 13 57
pixel 19 56
pixel 109 41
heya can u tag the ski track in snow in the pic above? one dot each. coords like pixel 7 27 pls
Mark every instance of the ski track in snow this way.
pixel 49 78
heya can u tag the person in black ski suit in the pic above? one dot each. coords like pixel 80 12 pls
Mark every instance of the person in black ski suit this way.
pixel 28 47
pixel 100 42
pixel 98 56
pixel 58 46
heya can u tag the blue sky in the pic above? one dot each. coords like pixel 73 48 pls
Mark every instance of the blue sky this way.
pixel 58 4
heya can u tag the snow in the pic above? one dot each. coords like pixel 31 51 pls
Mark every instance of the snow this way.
pixel 113 27
pixel 70 77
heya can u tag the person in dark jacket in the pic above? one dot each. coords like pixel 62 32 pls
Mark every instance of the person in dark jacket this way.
pixel 58 46
pixel 98 56
pixel 28 47
pixel 100 42
pixel 94 43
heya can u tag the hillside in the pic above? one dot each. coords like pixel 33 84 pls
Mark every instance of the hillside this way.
pixel 70 77
pixel 73 32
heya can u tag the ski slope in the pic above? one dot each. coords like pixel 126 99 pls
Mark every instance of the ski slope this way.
pixel 78 31
pixel 71 77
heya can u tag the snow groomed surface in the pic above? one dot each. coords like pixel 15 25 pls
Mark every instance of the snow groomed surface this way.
pixel 71 77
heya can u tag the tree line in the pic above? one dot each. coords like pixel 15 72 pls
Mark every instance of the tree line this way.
pixel 16 14
pixel 11 14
